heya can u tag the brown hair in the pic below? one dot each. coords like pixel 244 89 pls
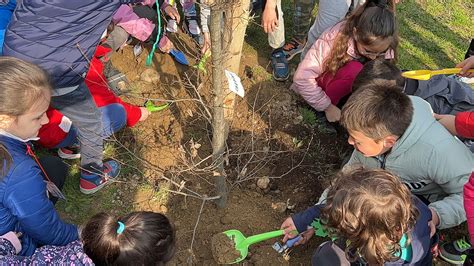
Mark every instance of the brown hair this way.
pixel 377 110
pixel 148 238
pixel 21 85
pixel 371 209
pixel 374 21
pixel 379 69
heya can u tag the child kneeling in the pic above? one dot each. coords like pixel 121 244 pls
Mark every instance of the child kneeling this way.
pixel 372 217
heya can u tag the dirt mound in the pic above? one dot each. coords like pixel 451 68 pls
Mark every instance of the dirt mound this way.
pixel 223 249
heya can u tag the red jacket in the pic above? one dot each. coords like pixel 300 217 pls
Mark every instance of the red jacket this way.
pixel 58 127
pixel 469 205
pixel 465 124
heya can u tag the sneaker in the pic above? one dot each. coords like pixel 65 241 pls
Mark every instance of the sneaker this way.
pixel 93 179
pixel 455 252
pixel 281 72
pixel 293 48
pixel 191 27
pixel 70 153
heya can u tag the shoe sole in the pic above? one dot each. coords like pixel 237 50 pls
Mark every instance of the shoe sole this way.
pixel 68 156
pixel 280 79
pixel 291 56
pixel 99 187
pixel 449 260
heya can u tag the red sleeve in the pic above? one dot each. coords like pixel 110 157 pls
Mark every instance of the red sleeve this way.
pixel 464 124
pixel 469 205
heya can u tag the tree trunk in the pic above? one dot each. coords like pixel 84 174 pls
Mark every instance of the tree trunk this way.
pixel 226 54
pixel 218 124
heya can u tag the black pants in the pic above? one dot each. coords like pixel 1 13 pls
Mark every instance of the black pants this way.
pixel 470 50
pixel 56 170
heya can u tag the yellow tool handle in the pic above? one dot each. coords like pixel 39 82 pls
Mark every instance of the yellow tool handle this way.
pixel 448 71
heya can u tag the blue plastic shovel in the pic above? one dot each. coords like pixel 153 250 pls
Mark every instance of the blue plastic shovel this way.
pixel 179 56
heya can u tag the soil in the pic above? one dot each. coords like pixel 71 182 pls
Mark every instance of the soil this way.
pixel 223 249
pixel 267 138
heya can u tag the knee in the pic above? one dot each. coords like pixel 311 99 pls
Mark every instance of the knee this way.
pixel 114 116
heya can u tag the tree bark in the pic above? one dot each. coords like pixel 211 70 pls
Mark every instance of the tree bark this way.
pixel 219 126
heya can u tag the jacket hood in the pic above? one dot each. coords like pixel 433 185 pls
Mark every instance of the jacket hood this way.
pixel 421 121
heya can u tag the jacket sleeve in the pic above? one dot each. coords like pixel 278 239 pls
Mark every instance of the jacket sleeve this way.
pixel 469 205
pixel 304 219
pixel 450 173
pixel 27 199
pixel 464 124
pixel 304 81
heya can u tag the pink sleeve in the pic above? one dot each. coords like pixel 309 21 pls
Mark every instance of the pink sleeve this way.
pixel 140 28
pixel 469 205
pixel 304 80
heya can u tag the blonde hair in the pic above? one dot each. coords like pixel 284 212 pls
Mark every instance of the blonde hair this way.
pixel 371 209
pixel 21 85
pixel 378 109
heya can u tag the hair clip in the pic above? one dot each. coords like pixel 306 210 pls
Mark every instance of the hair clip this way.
pixel 121 227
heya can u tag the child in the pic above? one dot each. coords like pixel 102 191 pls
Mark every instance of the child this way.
pixel 61 37
pixel 327 71
pixel 373 218
pixel 138 238
pixel 59 133
pixel 25 185
pixel 273 24
pixel 396 132
pixel 446 95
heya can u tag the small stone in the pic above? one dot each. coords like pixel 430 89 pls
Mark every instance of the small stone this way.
pixel 263 182
pixel 279 207
pixel 163 209
pixel 150 75
pixel 226 219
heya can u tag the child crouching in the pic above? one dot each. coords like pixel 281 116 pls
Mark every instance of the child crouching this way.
pixel 372 217
pixel 138 238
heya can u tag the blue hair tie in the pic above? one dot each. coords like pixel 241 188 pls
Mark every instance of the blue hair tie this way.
pixel 121 227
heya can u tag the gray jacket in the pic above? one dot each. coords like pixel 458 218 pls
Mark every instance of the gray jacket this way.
pixel 430 161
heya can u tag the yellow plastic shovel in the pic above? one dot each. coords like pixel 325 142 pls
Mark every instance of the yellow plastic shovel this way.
pixel 426 74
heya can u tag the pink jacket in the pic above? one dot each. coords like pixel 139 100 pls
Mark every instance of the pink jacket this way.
pixel 305 79
pixel 469 205
pixel 140 28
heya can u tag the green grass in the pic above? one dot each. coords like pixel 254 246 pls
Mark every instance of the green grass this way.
pixel 433 33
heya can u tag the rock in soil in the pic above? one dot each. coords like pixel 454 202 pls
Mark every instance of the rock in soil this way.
pixel 279 207
pixel 150 76
pixel 263 182
pixel 223 249
pixel 226 219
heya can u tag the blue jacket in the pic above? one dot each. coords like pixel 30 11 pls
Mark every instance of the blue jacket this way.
pixel 59 35
pixel 6 11
pixel 24 205
pixel 420 234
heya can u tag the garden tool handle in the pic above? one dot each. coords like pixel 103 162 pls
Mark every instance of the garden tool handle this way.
pixel 448 71
pixel 292 242
pixel 264 236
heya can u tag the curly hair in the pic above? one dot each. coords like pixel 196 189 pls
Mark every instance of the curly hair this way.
pixel 374 21
pixel 372 209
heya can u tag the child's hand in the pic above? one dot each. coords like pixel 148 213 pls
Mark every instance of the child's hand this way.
pixel 333 113
pixel 448 121
pixel 207 43
pixel 434 222
pixel 145 114
pixel 466 65
pixel 269 17
pixel 172 13
pixel 290 229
